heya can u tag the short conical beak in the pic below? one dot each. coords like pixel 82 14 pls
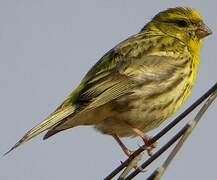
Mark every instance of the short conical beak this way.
pixel 203 31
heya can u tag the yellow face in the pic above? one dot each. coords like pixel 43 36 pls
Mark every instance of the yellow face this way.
pixel 183 23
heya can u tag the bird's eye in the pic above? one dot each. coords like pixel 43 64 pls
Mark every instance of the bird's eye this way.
pixel 181 23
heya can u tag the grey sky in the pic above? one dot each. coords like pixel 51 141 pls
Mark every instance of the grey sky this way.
pixel 46 46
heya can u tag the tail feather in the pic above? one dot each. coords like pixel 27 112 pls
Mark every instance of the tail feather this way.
pixel 52 120
pixel 50 133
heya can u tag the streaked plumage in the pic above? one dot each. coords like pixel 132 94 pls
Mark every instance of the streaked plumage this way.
pixel 139 83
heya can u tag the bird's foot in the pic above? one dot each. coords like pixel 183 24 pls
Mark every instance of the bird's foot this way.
pixel 128 152
pixel 146 139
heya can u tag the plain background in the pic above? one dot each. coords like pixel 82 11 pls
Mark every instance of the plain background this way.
pixel 46 47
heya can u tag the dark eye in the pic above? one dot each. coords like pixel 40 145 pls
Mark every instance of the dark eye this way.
pixel 181 23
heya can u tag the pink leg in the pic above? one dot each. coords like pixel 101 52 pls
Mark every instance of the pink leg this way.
pixel 123 147
pixel 146 140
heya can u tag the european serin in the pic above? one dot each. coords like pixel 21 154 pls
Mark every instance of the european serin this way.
pixel 138 84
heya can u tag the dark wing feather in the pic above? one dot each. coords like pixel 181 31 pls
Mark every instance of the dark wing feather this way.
pixel 102 84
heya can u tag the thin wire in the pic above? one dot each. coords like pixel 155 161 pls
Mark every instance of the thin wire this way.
pixel 157 174
pixel 158 153
pixel 163 131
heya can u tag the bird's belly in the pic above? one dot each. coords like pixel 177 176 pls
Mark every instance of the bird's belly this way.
pixel 144 111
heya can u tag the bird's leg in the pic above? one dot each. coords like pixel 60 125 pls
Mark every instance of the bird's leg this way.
pixel 145 139
pixel 128 153
pixel 123 147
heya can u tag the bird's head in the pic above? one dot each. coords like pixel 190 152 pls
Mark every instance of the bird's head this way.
pixel 183 23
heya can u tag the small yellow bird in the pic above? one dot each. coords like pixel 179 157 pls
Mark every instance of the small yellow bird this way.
pixel 138 84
